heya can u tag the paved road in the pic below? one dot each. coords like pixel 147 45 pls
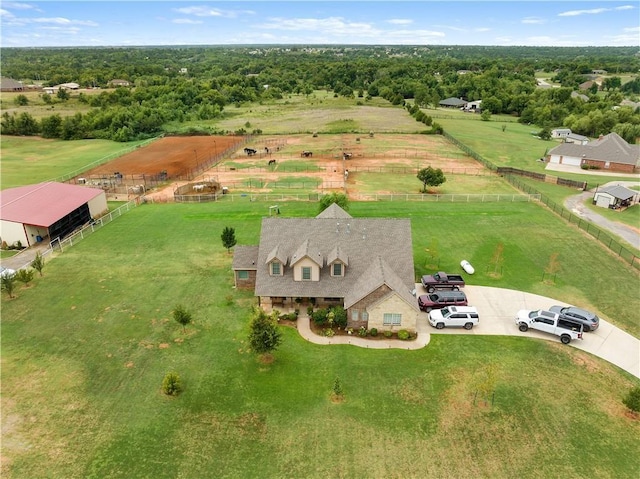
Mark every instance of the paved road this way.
pixel 576 205
pixel 498 308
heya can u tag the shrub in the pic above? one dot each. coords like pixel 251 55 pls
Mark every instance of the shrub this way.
pixel 328 332
pixel 339 316
pixel 309 311
pixel 362 332
pixel 387 334
pixel 320 316
pixel 289 316
pixel 632 399
pixel 373 332
pixel 403 334
pixel 171 384
pixel 25 275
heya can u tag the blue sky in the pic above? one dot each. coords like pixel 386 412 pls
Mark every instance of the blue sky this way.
pixel 197 22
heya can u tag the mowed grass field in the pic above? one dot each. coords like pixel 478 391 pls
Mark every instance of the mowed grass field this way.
pixel 85 348
pixel 28 160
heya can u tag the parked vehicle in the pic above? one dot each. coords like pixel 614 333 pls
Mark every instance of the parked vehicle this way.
pixel 549 322
pixel 440 299
pixel 590 321
pixel 7 272
pixel 465 316
pixel 441 280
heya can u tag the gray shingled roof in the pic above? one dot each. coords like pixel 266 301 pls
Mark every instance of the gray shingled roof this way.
pixel 333 211
pixel 608 148
pixel 452 102
pixel 245 257
pixel 618 191
pixel 378 274
pixel 305 250
pixel 358 239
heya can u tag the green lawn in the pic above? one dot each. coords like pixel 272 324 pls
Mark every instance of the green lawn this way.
pixel 85 348
pixel 32 160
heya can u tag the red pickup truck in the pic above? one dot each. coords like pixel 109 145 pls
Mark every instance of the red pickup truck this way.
pixel 441 280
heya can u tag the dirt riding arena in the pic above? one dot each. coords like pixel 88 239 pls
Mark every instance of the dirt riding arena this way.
pixel 176 155
pixel 325 159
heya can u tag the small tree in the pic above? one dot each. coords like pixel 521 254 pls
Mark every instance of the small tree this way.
pixel 8 284
pixel 544 134
pixel 21 100
pixel 63 94
pixel 337 388
pixel 264 336
pixel 25 276
pixel 431 177
pixel 228 238
pixel 632 399
pixel 182 316
pixel 338 198
pixel 171 384
pixel 38 263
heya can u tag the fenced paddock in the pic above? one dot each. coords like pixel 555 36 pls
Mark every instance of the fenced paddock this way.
pixel 58 245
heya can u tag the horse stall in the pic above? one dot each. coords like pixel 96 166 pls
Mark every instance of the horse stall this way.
pixel 200 192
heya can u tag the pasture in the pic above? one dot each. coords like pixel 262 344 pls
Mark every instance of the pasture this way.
pixel 85 348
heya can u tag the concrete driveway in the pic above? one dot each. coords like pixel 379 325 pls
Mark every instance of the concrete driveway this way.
pixel 498 307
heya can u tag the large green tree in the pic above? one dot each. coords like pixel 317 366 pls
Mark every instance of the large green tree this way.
pixel 430 176
pixel 264 336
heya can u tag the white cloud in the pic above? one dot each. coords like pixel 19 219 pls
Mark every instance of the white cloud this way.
pixel 201 11
pixel 400 21
pixel 481 30
pixel 186 21
pixel 64 21
pixel 18 6
pixel 331 25
pixel 575 13
pixel 625 7
pixel 534 21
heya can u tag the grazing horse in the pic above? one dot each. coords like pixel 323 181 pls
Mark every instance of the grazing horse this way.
pixel 198 188
pixel 271 162
pixel 267 151
pixel 250 151
pixel 346 156
pixel 306 154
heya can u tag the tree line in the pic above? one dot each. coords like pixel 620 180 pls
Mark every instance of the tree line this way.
pixel 188 84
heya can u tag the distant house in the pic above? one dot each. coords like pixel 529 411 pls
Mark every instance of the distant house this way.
pixel 362 264
pixel 560 132
pixel 577 139
pixel 47 210
pixel 586 85
pixel 599 72
pixel 581 96
pixel 62 86
pixel 9 84
pixel 452 102
pixel 473 106
pixel 609 152
pixel 118 82
pixel 614 197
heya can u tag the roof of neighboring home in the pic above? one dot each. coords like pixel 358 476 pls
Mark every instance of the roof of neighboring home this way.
pixel 561 130
pixel 610 147
pixel 245 257
pixel 43 204
pixel 10 84
pixel 618 191
pixel 583 97
pixel 452 102
pixel 333 211
pixel 575 136
pixel 379 251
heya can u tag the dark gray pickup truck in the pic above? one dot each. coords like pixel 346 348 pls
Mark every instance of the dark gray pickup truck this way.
pixel 441 280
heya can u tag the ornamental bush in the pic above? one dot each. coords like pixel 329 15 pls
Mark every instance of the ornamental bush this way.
pixel 403 334
pixel 632 399
pixel 373 332
pixel 171 384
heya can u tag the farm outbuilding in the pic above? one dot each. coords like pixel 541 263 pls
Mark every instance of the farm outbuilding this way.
pixel 29 214
pixel 614 197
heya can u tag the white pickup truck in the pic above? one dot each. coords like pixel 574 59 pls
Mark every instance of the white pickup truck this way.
pixel 549 322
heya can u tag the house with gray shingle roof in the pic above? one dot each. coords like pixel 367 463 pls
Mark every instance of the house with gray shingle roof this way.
pixel 609 152
pixel 614 197
pixel 362 264
pixel 452 102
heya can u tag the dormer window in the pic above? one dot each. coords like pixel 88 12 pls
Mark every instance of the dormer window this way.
pixel 276 268
pixel 306 273
pixel 337 269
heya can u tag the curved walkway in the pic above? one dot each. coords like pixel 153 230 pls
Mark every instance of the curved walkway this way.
pixel 497 308
pixel 576 205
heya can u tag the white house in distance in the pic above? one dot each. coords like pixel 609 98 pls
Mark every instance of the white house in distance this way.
pixel 614 197
pixel 30 214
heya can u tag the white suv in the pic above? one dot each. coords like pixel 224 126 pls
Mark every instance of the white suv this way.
pixel 465 316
